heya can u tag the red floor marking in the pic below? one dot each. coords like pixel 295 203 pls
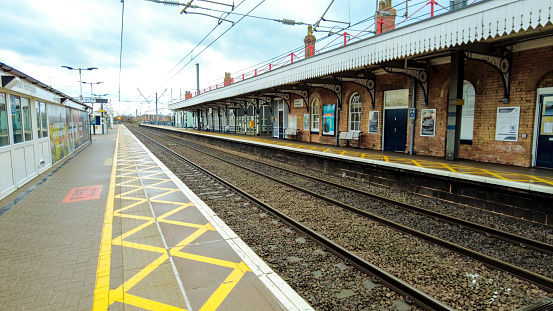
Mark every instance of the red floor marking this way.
pixel 83 194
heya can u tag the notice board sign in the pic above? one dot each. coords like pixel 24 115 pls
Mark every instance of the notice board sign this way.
pixel 506 126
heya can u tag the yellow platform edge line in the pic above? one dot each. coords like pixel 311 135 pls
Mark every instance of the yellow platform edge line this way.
pixel 101 290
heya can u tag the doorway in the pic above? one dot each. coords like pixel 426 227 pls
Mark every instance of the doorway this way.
pixel 395 129
pixel 544 129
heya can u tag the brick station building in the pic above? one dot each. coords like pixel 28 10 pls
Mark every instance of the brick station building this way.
pixel 475 83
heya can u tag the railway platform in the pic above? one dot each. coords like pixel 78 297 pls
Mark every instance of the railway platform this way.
pixel 531 179
pixel 112 228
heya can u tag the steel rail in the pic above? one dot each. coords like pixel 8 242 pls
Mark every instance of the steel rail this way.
pixel 419 297
pixel 537 279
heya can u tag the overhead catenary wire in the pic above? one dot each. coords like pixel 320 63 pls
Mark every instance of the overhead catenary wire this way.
pixel 217 38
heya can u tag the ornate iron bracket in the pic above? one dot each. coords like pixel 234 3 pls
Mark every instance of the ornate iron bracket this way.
pixel 301 93
pixel 501 64
pixel 284 96
pixel 336 89
pixel 369 84
pixel 421 76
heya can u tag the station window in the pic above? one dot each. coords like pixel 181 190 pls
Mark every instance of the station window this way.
pixel 16 119
pixel 315 107
pixel 4 135
pixel 42 125
pixel 396 98
pixel 355 113
pixel 26 115
pixel 467 119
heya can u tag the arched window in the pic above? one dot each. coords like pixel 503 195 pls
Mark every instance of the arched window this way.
pixel 467 120
pixel 354 124
pixel 315 106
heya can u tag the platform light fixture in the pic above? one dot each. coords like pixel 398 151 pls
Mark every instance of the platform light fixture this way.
pixel 80 77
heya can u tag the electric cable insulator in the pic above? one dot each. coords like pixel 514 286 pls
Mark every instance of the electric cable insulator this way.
pixel 288 21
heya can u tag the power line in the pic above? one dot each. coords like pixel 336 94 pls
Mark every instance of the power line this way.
pixel 217 38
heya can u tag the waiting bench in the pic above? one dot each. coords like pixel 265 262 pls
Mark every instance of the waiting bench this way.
pixel 350 136
pixel 291 132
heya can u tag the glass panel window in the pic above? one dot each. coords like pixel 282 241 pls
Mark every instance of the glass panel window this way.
pixel 15 101
pixel 467 116
pixel 396 98
pixel 315 107
pixel 26 115
pixel 43 120
pixel 355 113
pixel 4 134
pixel 38 123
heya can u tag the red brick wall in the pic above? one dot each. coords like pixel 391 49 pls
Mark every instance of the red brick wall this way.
pixel 528 73
pixel 489 92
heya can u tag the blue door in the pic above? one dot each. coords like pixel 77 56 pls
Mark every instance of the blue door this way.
pixel 395 129
pixel 545 136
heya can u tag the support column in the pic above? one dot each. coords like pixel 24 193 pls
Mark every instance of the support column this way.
pixel 454 111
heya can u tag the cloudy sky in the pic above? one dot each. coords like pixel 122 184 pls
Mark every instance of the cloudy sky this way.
pixel 39 36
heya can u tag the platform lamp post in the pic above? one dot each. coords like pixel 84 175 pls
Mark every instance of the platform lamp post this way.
pixel 80 77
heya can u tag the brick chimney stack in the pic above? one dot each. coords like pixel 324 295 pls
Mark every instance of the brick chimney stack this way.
pixel 385 17
pixel 187 95
pixel 309 41
pixel 228 79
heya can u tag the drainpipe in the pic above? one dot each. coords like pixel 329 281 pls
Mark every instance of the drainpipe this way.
pixel 336 122
pixel 413 103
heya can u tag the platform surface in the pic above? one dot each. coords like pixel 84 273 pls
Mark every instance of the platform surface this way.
pixel 532 179
pixel 114 229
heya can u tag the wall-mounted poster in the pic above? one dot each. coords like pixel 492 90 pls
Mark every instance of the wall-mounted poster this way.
pixel 506 126
pixel 293 121
pixel 428 122
pixel 374 118
pixel 306 122
pixel 328 119
pixel 298 103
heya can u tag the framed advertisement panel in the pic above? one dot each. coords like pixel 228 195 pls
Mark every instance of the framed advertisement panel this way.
pixel 328 119
pixel 428 122
pixel 374 119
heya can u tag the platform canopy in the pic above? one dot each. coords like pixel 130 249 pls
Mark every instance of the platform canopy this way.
pixel 488 23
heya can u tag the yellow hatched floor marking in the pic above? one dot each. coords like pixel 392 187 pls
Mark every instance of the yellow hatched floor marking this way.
pixel 119 295
pixel 101 290
pixel 140 201
pixel 341 153
pixel 326 149
pixel 493 174
pixel 312 148
pixel 386 159
pixel 362 156
pixel 541 180
pixel 449 167
pixel 209 260
pixel 183 206
pixel 299 146
pixel 224 290
pixel 104 297
pixel 147 304
pixel 416 163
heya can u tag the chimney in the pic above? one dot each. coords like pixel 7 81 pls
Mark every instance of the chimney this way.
pixel 385 17
pixel 457 4
pixel 228 79
pixel 187 95
pixel 309 41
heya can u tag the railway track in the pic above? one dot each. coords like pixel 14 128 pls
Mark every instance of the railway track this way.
pixel 542 281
